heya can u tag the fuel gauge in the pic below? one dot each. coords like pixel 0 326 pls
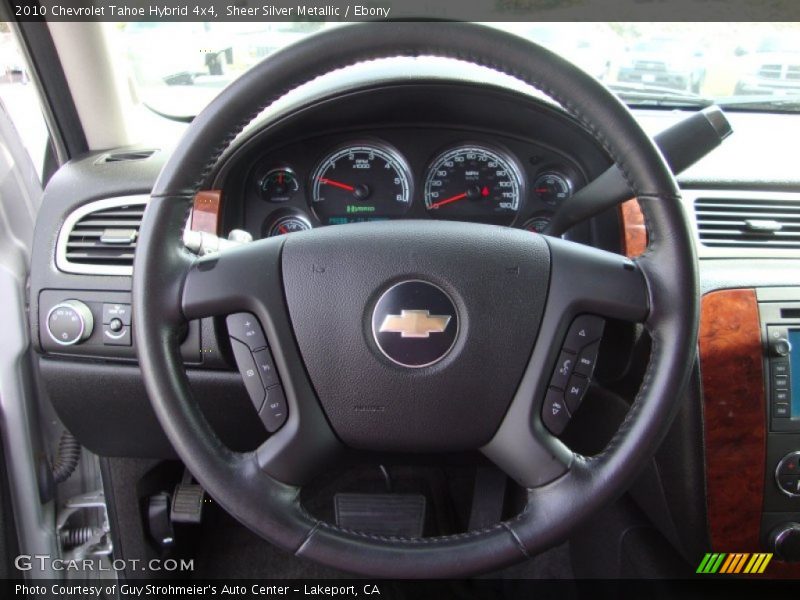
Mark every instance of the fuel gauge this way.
pixel 278 185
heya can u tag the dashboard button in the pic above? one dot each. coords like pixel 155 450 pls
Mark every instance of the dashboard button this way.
pixel 564 366
pixel 117 311
pixel 266 367
pixel 587 359
pixel 246 328
pixel 780 410
pixel 249 371
pixel 576 388
pixel 554 411
pixel 780 367
pixel 583 331
pixel 779 396
pixel 781 382
pixel 274 412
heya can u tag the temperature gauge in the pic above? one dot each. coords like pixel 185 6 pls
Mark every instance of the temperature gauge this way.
pixel 278 185
pixel 552 187
pixel 288 224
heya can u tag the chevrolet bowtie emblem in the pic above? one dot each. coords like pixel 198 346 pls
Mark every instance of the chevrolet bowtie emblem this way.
pixel 414 323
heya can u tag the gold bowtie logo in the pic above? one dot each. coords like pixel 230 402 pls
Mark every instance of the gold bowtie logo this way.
pixel 414 323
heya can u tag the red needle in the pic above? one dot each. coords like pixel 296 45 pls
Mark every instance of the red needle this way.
pixel 541 190
pixel 449 200
pixel 338 184
pixel 282 229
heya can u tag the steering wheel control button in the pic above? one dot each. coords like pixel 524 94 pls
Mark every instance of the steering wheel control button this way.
pixel 587 359
pixel 250 375
pixel 576 388
pixel 266 367
pixel 70 322
pixel 583 331
pixel 246 328
pixel 122 312
pixel 564 368
pixel 555 414
pixel 274 412
pixel 787 474
pixel 415 324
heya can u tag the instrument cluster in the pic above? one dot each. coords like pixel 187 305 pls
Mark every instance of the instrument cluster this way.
pixel 369 178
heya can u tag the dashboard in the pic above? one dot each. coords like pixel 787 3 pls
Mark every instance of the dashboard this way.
pixel 420 149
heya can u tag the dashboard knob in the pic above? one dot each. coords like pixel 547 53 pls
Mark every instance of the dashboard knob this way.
pixel 784 541
pixel 70 322
pixel 780 347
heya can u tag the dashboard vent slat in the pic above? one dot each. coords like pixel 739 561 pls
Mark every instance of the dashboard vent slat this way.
pixel 747 223
pixel 100 237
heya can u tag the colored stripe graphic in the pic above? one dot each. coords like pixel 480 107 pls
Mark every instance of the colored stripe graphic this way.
pixel 737 562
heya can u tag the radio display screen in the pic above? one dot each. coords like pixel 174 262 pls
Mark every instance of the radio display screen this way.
pixel 794 367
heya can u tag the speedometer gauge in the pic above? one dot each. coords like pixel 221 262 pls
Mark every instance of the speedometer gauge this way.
pixel 473 182
pixel 359 182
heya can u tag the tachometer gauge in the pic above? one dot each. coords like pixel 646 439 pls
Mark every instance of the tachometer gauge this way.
pixel 359 182
pixel 473 182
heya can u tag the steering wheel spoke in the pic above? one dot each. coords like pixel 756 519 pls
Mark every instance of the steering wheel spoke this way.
pixel 587 280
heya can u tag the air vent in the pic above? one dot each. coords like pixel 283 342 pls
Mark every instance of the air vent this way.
pixel 771 222
pixel 127 156
pixel 100 238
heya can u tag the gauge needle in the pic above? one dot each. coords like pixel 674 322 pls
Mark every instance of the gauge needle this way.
pixel 282 229
pixel 449 200
pixel 338 184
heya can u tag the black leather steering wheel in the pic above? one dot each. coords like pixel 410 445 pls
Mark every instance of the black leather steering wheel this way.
pixel 513 294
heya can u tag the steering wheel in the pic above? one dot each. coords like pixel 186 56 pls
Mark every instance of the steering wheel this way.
pixel 415 336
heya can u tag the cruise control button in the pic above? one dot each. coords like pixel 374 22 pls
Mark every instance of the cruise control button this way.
pixel 564 366
pixel 266 367
pixel 554 412
pixel 249 371
pixel 587 359
pixel 246 328
pixel 576 388
pixel 274 412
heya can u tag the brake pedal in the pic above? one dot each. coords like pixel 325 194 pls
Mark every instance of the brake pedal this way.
pixel 383 514
pixel 187 501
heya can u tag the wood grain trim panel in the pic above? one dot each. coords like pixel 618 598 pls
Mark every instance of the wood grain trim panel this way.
pixel 206 211
pixel 634 231
pixel 734 418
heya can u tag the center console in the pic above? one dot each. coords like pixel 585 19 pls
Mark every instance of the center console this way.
pixel 779 312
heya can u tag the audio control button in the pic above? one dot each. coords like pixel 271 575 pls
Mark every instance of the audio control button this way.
pixel 246 328
pixel 780 410
pixel 787 474
pixel 779 367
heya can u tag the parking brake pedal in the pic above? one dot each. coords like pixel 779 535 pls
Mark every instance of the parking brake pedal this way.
pixel 383 514
pixel 187 501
